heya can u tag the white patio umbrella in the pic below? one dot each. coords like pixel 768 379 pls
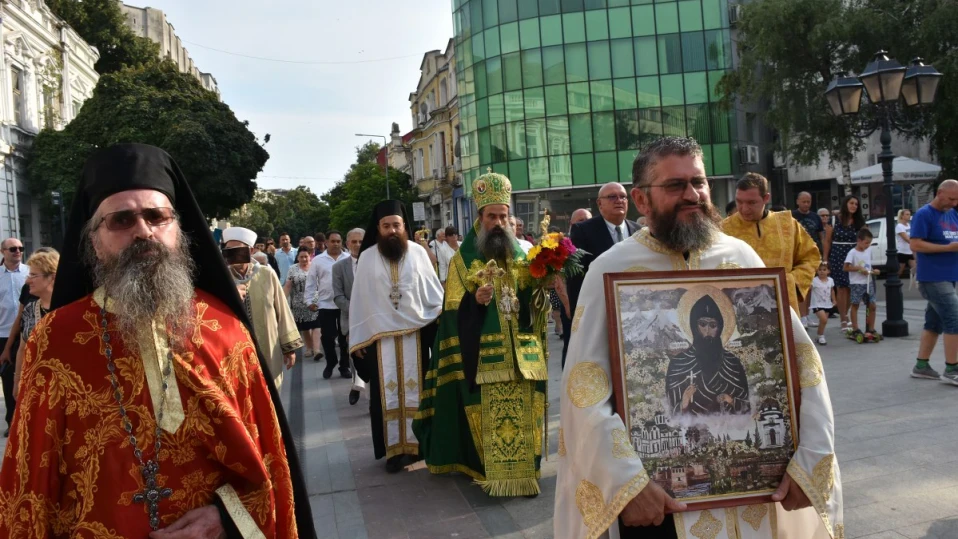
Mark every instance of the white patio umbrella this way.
pixel 904 169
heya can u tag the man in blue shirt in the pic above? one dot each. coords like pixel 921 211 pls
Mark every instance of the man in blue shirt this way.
pixel 285 256
pixel 12 279
pixel 934 240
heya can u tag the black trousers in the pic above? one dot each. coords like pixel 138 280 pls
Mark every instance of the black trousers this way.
pixel 7 377
pixel 329 323
pixel 566 334
pixel 665 531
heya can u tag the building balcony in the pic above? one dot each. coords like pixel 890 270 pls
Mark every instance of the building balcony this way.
pixel 425 186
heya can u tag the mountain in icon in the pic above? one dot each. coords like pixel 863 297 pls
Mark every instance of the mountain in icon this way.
pixel 749 300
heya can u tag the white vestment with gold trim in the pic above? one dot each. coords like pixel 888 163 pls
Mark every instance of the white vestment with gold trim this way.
pixel 599 470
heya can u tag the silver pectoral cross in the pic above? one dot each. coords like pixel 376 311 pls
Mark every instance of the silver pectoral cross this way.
pixel 395 296
pixel 152 494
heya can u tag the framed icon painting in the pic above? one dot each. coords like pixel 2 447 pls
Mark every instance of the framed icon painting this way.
pixel 705 379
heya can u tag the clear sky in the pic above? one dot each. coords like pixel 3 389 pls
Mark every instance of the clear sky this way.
pixel 312 112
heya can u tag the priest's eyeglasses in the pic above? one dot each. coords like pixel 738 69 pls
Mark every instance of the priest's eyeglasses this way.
pixel 677 187
pixel 126 219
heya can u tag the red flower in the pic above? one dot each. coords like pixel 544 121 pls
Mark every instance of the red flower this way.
pixel 537 269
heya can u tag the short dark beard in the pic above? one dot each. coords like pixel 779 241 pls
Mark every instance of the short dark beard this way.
pixel 682 237
pixel 495 244
pixel 394 246
pixel 147 281
pixel 709 353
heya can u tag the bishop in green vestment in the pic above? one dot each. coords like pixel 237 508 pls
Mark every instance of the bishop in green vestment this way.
pixel 483 403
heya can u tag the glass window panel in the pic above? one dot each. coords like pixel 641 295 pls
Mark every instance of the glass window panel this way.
pixel 643 20
pixel 600 61
pixel 607 167
pixel 693 52
pixel 602 96
pixel 648 90
pixel 714 77
pixel 499 148
pixel 492 42
pixel 494 75
pixel 618 3
pixel 535 102
pixel 466 22
pixel 497 110
pixel 690 15
pixel 712 14
pixel 696 88
pixel 480 83
pixel 490 13
pixel 650 123
pixel 515 106
pixel 507 11
pixel 576 63
pixel 569 6
pixel 583 169
pixel 624 92
pixel 466 53
pixel 673 120
pixel 707 159
pixel 666 18
pixel 511 71
pixel 596 25
pixel 475 16
pixel 579 100
pixel 553 65
pixel 716 53
pixel 482 113
pixel 558 129
pixel 532 68
pixel 672 91
pixel 510 37
pixel 627 129
pixel 670 54
pixel 573 27
pixel 555 97
pixel 626 158
pixel 603 131
pixel 560 171
pixel 646 58
pixel 479 47
pixel 536 140
pixel 620 23
pixel 485 146
pixel 595 4
pixel 528 9
pixel 719 123
pixel 697 119
pixel 623 64
pixel 580 131
pixel 519 174
pixel 721 160
pixel 551 30
pixel 529 33
pixel 501 168
pixel 548 7
pixel 539 173
pixel 516 139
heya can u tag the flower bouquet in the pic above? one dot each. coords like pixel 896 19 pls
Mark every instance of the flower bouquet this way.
pixel 554 256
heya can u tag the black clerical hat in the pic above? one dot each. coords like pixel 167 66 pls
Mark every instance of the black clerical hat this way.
pixel 385 208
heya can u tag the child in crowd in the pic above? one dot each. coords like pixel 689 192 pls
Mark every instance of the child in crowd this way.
pixel 823 299
pixel 858 264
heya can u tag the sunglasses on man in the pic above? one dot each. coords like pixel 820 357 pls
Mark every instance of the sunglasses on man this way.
pixel 15 249
pixel 126 219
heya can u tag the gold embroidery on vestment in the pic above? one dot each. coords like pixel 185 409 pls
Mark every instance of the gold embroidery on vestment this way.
pixel 577 318
pixel 728 265
pixel 810 369
pixel 589 500
pixel 635 269
pixel 596 514
pixel 446 344
pixel 707 526
pixel 561 451
pixel 800 476
pixel 731 523
pixel 754 515
pixel 621 446
pixel 824 476
pixel 588 385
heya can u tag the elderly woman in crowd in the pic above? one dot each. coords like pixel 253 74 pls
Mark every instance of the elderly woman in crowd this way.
pixel 43 273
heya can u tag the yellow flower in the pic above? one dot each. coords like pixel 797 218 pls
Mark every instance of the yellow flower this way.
pixel 531 255
pixel 550 241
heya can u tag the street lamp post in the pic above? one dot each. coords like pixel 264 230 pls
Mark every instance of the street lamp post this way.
pixel 886 83
pixel 386 164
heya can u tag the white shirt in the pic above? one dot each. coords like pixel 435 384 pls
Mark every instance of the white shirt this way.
pixel 624 229
pixel 903 246
pixel 822 293
pixel 859 259
pixel 319 280
pixel 444 256
pixel 526 246
pixel 284 260
pixel 10 286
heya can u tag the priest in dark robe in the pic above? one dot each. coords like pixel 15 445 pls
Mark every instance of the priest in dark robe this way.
pixel 144 404
pixel 707 378
pixel 395 301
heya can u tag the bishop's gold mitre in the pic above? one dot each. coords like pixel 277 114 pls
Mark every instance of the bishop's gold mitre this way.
pixel 491 188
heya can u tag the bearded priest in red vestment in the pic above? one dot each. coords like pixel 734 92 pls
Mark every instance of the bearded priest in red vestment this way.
pixel 143 407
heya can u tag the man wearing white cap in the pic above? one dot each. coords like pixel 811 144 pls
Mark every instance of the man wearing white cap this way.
pixel 273 324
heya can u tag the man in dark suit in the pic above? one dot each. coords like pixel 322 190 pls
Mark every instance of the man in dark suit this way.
pixel 599 234
pixel 343 272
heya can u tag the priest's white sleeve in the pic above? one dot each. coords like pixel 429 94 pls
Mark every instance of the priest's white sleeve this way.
pixel 599 469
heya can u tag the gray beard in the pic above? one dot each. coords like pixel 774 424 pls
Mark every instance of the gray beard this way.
pixel 682 237
pixel 495 246
pixel 147 281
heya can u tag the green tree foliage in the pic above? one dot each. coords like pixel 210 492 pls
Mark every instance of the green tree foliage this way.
pixel 103 25
pixel 156 105
pixel 791 49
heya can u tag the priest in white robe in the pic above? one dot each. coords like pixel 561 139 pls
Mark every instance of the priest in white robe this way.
pixel 396 299
pixel 602 488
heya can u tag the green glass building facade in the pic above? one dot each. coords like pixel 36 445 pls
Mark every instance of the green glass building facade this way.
pixel 560 94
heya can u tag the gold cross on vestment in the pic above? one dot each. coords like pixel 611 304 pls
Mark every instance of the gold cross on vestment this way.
pixel 490 272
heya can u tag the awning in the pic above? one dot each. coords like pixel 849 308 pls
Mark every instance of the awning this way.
pixel 904 169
